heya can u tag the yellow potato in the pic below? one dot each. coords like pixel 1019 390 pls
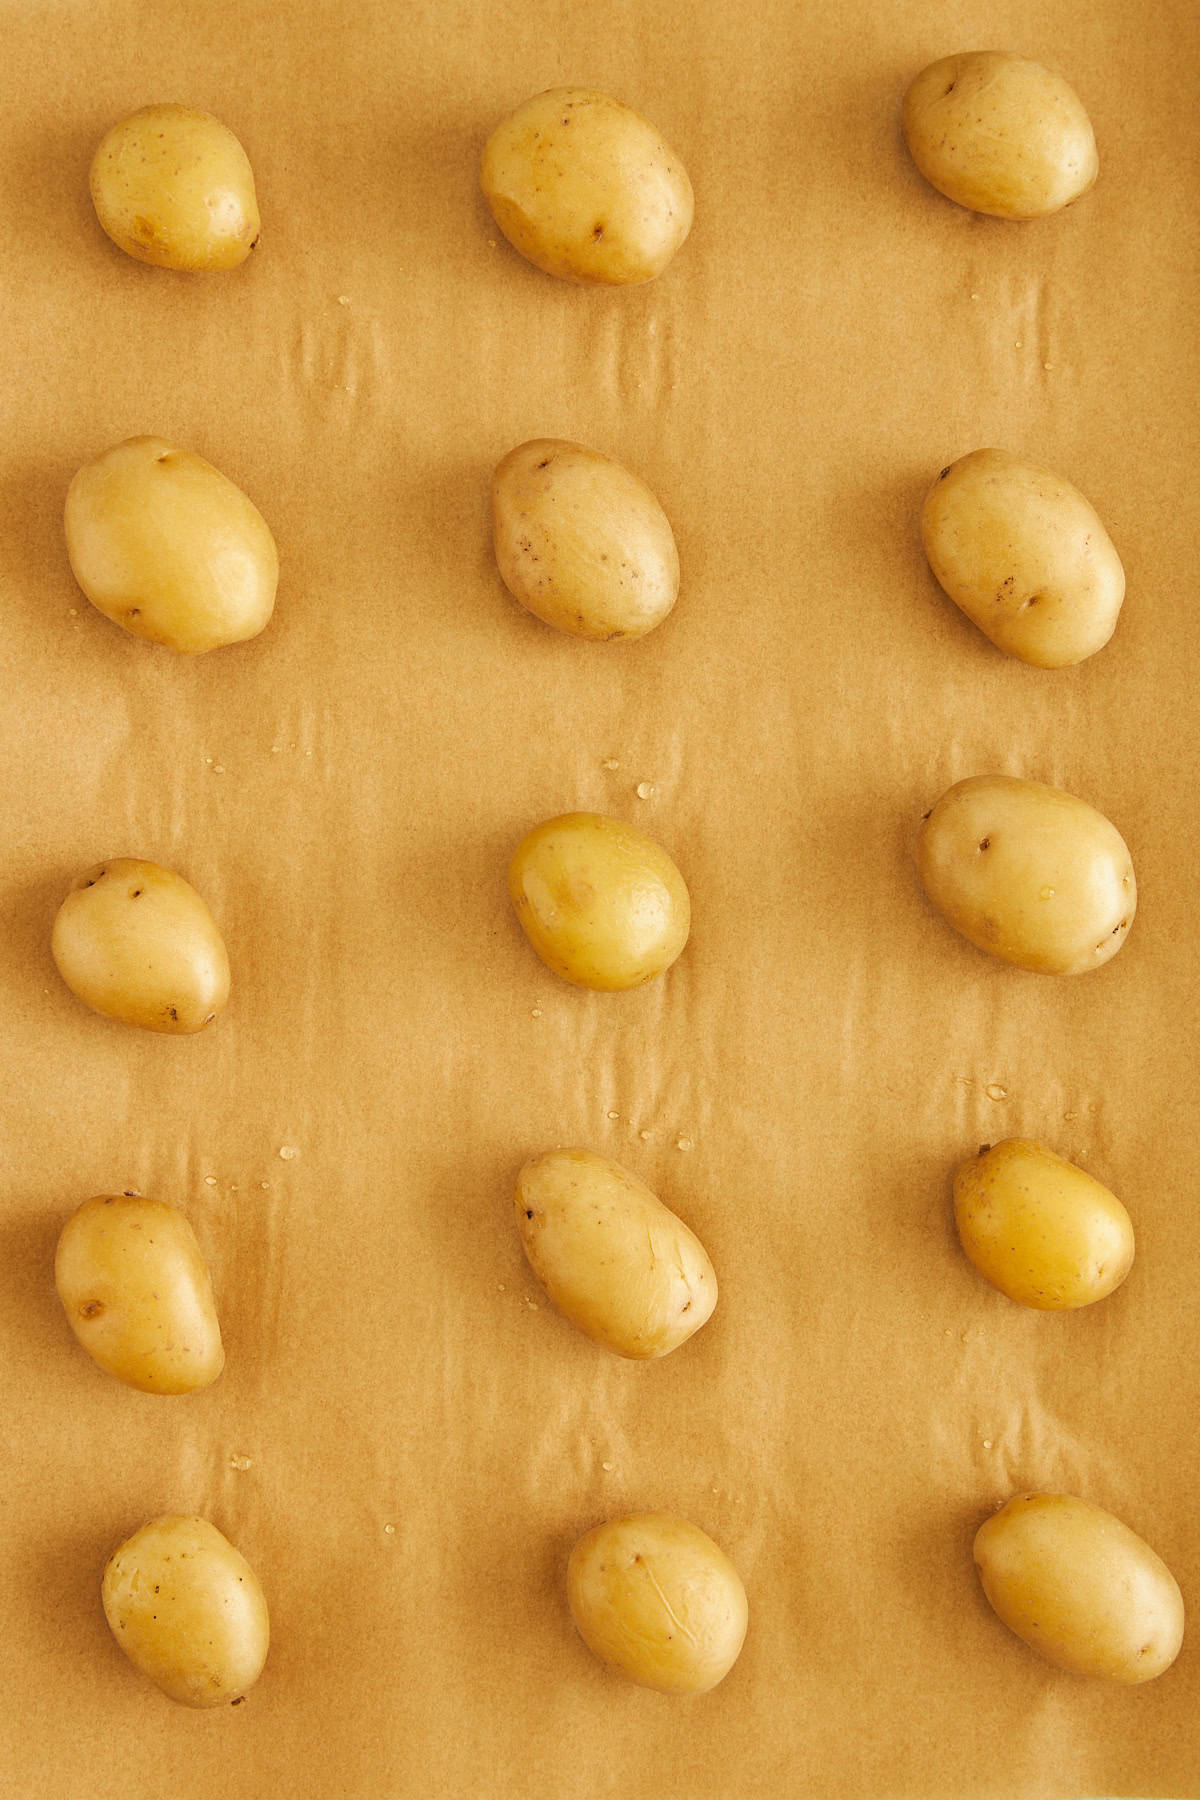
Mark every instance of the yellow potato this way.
pixel 654 1598
pixel 169 548
pixel 1030 873
pixel 187 1610
pixel 172 186
pixel 586 189
pixel 602 904
pixel 1000 135
pixel 1079 1587
pixel 1025 556
pixel 611 1256
pixel 137 1294
pixel 1039 1228
pixel 581 542
pixel 134 941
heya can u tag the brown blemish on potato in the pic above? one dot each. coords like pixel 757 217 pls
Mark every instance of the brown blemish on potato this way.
pixel 985 843
pixel 91 1309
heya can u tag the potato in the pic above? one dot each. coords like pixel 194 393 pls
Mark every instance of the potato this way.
pixel 168 548
pixel 581 542
pixel 135 942
pixel 1025 557
pixel 611 1256
pixel 1079 1587
pixel 1000 135
pixel 586 189
pixel 137 1294
pixel 187 1610
pixel 602 904
pixel 1039 1228
pixel 654 1598
pixel 1032 874
pixel 172 186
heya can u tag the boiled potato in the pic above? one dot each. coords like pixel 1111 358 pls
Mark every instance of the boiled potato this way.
pixel 1031 873
pixel 586 189
pixel 172 186
pixel 602 904
pixel 611 1256
pixel 1000 135
pixel 1080 1587
pixel 168 548
pixel 187 1610
pixel 134 941
pixel 1039 1228
pixel 654 1598
pixel 137 1293
pixel 581 542
pixel 1025 557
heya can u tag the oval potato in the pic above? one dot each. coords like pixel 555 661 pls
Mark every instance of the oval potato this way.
pixel 584 188
pixel 173 187
pixel 1030 873
pixel 1080 1587
pixel 654 1598
pixel 1025 556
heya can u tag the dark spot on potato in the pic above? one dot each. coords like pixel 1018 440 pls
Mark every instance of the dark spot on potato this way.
pixel 529 1212
pixel 209 1019
pixel 241 1697
pixel 597 231
pixel 951 88
pixel 174 1013
pixel 686 1307
pixel 253 246
pixel 945 472
pixel 985 843
pixel 984 1148
pixel 91 1309
pixel 136 894
pixel 544 464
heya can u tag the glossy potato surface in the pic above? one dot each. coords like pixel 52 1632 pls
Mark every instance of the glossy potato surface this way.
pixel 173 187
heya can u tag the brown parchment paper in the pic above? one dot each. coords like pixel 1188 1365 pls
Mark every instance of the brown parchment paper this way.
pixel 407 1440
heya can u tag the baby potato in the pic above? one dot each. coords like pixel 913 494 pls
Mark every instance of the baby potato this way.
pixel 1080 1588
pixel 1000 135
pixel 1040 1229
pixel 581 542
pixel 168 548
pixel 654 1598
pixel 1025 557
pixel 135 942
pixel 1030 873
pixel 602 904
pixel 187 1610
pixel 617 1262
pixel 586 189
pixel 137 1294
pixel 173 187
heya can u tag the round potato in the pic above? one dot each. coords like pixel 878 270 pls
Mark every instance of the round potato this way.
pixel 1000 135
pixel 137 1294
pixel 187 1610
pixel 654 1598
pixel 1079 1587
pixel 1025 556
pixel 581 542
pixel 168 548
pixel 135 942
pixel 173 187
pixel 1039 1228
pixel 1030 873
pixel 602 904
pixel 586 189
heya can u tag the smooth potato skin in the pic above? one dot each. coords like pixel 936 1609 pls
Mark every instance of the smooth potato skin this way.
pixel 1025 556
pixel 1030 873
pixel 585 189
pixel 187 1610
pixel 1080 1587
pixel 999 134
pixel 173 187
pixel 135 942
pixel 137 1294
pixel 654 1598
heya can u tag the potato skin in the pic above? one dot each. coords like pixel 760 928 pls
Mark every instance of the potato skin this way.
pixel 173 187
pixel 584 188
pixel 1025 556
pixel 582 543
pixel 1080 1587
pixel 654 1598
pixel 135 942
pixel 1030 873
pixel 187 1610
pixel 999 134
pixel 168 548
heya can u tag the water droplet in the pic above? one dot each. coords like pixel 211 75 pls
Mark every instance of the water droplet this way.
pixel 218 768
pixel 974 296
pixel 1047 365
pixel 987 1443
pixel 531 1304
pixel 683 1143
pixel 1070 1117
pixel 276 749
pixel 1046 893
pixel 500 1286
pixel 288 1152
pixel 239 1462
pixel 645 789
pixel 612 763
pixel 344 300
pixel 614 1115
pixel 208 760
pixel 389 1531
pixel 645 1136
pixel 536 1013
pixel 606 1465
pixel 210 1181
pixel 264 1185
pixel 994 1091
